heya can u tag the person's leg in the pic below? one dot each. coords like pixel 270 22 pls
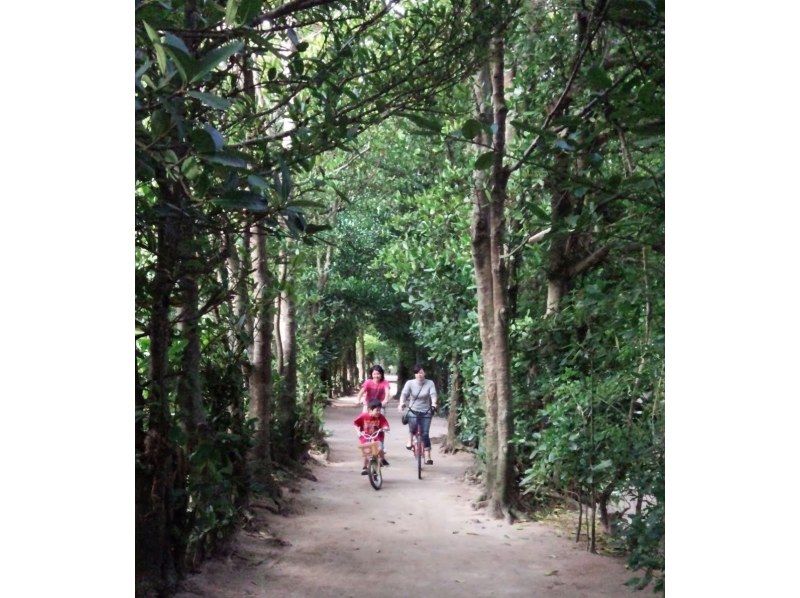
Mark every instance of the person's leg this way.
pixel 382 455
pixel 426 438
pixel 412 426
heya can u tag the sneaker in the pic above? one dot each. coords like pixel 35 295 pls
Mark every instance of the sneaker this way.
pixel 429 462
pixel 364 471
pixel 384 462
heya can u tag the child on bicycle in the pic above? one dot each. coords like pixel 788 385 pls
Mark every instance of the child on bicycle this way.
pixel 368 424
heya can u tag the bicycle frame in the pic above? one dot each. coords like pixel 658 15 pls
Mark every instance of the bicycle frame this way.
pixel 417 447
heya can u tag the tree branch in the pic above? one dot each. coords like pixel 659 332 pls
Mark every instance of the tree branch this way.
pixel 561 103
pixel 589 262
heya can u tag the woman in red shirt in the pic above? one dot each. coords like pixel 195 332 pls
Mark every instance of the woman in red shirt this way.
pixel 375 388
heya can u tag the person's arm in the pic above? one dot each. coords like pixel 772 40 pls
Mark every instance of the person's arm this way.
pixel 434 396
pixel 404 395
pixel 384 423
pixel 385 393
pixel 362 391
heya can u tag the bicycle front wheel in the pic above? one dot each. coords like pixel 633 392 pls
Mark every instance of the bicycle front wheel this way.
pixel 375 476
pixel 419 459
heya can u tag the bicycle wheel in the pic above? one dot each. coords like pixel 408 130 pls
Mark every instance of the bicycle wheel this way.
pixel 419 458
pixel 375 476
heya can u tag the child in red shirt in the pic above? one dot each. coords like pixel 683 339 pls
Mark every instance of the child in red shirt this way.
pixel 368 424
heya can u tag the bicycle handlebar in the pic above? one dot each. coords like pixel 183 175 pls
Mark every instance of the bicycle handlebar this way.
pixel 372 436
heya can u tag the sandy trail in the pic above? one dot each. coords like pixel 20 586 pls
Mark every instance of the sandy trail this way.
pixel 411 537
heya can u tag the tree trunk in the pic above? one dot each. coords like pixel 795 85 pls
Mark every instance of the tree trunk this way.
pixel 503 491
pixel 360 357
pixel 261 364
pixel 454 404
pixel 287 401
pixel 277 342
pixel 406 359
pixel 481 257
pixel 156 565
pixel 190 391
pixel 352 367
pixel 561 205
pixel 241 338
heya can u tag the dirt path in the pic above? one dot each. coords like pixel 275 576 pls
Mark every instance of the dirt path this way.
pixel 413 536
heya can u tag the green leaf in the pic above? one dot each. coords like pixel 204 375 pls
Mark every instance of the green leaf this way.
pixel 191 168
pixel 142 70
pixel 307 203
pixel 484 161
pixel 231 11
pixel 219 141
pixel 471 128
pixel 523 126
pixel 225 160
pixel 606 464
pixel 256 181
pixel 295 220
pixel 284 187
pixel 560 143
pixel 159 123
pixel 539 211
pixel 597 78
pixel 648 142
pixel 312 229
pixel 242 11
pixel 210 100
pixel 242 200
pixel 186 65
pixel 429 124
pixel 177 435
pixel 206 140
pixel 161 57
pixel 210 61
pixel 170 39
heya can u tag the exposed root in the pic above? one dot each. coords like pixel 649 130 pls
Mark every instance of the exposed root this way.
pixel 451 448
pixel 295 469
pixel 267 503
pixel 479 504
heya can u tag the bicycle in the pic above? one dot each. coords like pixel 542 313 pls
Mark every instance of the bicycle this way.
pixel 417 447
pixel 372 450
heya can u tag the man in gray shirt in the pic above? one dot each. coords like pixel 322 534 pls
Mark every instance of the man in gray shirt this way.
pixel 420 396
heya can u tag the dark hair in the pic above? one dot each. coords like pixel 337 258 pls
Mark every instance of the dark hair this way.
pixel 379 369
pixel 417 367
pixel 373 404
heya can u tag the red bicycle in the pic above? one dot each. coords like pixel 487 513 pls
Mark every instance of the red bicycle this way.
pixel 372 450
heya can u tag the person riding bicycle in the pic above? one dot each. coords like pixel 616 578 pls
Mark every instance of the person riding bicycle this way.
pixel 422 405
pixel 368 424
pixel 376 387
